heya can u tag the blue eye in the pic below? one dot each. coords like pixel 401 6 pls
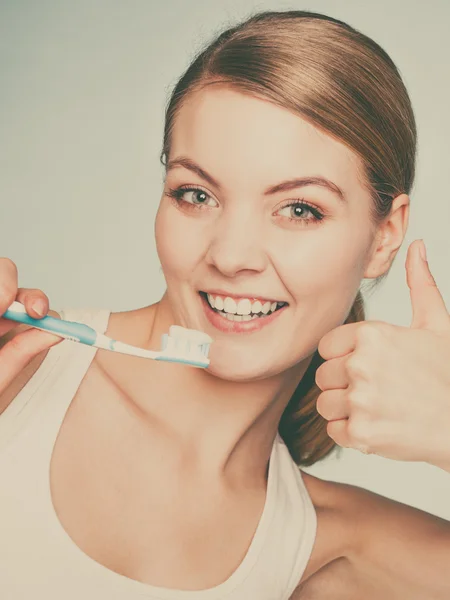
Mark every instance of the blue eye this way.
pixel 297 210
pixel 194 196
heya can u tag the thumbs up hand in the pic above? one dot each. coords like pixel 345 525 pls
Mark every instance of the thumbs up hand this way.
pixel 386 388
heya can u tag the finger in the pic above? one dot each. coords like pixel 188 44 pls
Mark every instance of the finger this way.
pixel 20 350
pixel 333 405
pixel 338 431
pixel 35 302
pixel 332 374
pixel 339 341
pixel 428 306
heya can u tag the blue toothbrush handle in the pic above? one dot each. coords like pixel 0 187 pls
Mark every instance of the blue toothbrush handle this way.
pixel 77 332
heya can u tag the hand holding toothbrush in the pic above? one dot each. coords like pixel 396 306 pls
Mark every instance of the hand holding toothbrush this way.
pixel 385 388
pixel 18 350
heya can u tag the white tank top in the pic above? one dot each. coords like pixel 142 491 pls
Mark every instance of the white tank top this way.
pixel 38 559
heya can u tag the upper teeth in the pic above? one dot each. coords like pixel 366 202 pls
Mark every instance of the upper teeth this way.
pixel 242 307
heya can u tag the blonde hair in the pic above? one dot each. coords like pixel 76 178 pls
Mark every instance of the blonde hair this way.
pixel 345 84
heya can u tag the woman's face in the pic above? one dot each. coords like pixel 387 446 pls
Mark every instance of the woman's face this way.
pixel 259 207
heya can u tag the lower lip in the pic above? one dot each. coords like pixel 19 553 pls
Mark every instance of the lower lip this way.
pixel 223 324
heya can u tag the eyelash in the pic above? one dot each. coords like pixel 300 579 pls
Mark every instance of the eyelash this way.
pixel 177 195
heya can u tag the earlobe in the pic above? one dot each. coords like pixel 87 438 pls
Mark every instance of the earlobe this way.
pixel 388 238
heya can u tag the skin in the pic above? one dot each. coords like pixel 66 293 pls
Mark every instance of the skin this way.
pixel 205 436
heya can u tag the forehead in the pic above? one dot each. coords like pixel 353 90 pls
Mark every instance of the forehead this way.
pixel 239 136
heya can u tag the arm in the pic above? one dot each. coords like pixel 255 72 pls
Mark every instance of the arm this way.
pixel 392 552
pixel 403 551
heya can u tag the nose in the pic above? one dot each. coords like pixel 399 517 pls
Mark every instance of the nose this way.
pixel 237 245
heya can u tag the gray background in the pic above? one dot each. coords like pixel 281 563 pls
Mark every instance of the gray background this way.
pixel 82 92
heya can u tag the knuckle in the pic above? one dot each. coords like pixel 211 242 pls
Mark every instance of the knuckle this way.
pixel 356 366
pixel 363 332
pixel 353 398
pixel 371 331
pixel 359 398
pixel 359 432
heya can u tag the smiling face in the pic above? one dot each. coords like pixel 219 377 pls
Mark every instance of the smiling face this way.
pixel 229 225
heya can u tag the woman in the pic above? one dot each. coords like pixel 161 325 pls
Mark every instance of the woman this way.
pixel 289 150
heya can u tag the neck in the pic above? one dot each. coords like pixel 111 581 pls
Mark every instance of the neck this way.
pixel 218 425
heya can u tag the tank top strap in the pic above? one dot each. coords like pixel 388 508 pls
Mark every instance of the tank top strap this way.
pixel 48 393
pixel 74 362
pixel 94 317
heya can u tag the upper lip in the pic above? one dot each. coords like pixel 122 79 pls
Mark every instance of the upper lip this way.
pixel 240 296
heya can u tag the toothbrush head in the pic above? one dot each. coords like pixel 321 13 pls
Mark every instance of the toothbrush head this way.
pixel 186 346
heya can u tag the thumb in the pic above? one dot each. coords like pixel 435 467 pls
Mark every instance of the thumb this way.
pixel 428 306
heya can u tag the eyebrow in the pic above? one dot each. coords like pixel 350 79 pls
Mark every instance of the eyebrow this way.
pixel 284 186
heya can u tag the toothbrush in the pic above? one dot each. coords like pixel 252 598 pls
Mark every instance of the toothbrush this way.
pixel 181 345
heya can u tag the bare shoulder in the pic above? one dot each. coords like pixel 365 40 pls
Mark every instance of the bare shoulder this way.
pixel 388 549
pixel 353 504
pixel 336 530
pixel 20 381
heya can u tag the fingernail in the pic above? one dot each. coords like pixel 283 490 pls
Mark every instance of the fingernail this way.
pixel 423 251
pixel 39 307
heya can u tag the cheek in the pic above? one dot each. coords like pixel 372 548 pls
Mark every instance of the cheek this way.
pixel 321 257
pixel 322 271
pixel 179 243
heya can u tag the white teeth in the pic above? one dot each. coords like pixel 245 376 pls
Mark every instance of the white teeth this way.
pixel 265 308
pixel 229 306
pixel 244 307
pixel 256 307
pixel 237 317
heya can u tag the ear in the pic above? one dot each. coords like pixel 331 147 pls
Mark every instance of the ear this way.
pixel 388 238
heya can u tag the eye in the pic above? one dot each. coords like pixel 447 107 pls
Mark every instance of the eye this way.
pixel 193 196
pixel 299 210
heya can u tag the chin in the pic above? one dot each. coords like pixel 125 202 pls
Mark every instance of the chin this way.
pixel 240 368
pixel 234 363
pixel 237 374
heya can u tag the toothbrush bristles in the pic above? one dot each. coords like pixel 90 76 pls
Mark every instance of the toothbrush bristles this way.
pixel 186 343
